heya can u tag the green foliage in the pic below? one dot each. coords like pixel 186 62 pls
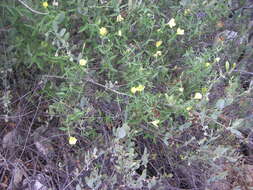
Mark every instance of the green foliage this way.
pixel 92 61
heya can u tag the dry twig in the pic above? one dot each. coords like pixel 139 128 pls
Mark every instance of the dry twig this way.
pixel 32 10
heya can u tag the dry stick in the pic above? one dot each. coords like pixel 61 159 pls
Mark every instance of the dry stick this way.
pixel 210 118
pixel 25 114
pixel 90 81
pixel 83 169
pixel 29 130
pixel 34 11
pixel 98 84
pixel 244 72
pixel 170 138
pixel 15 116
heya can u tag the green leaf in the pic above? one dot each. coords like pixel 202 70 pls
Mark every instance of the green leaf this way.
pixel 58 20
pixel 83 28
pixel 227 66
pixel 130 5
pixel 211 3
pixel 55 27
pixel 166 137
pixel 66 36
pixel 62 32
pixel 235 132
pixel 63 128
pixel 144 158
pixel 220 104
pixel 238 123
pixel 121 132
pixel 185 3
pixel 185 126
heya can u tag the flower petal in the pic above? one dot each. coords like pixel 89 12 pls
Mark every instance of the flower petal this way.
pixel 72 140
pixel 198 96
pixel 172 23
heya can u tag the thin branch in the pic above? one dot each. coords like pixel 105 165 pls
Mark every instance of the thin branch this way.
pixel 90 81
pixel 103 86
pixel 85 168
pixel 5 30
pixel 30 127
pixel 244 72
pixel 34 11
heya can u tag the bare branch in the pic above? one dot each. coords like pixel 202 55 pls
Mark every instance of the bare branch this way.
pixel 34 11
pixel 90 81
pixel 243 72
pixel 105 87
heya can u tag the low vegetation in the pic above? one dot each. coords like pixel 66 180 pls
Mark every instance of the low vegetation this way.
pixel 126 94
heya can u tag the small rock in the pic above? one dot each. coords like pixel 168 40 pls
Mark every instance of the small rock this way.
pixel 18 174
pixel 10 139
pixel 39 183
pixel 43 144
pixel 45 148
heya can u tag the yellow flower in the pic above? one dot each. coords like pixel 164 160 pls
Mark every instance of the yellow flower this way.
pixel 137 89
pixel 204 90
pixel 72 140
pixel 181 89
pixel 133 90
pixel 82 62
pixel 103 31
pixel 155 122
pixel 187 11
pixel 140 88
pixel 197 96
pixel 172 23
pixel 45 4
pixel 207 64
pixel 217 59
pixel 157 54
pixel 119 18
pixel 234 65
pixel 128 50
pixel 158 43
pixel 189 108
pixel 120 33
pixel 180 31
